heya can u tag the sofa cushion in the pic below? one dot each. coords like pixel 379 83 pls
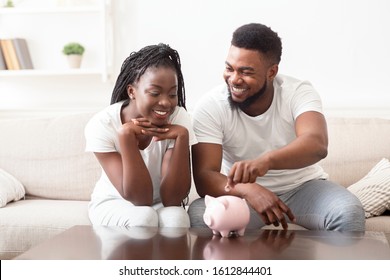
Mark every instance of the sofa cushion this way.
pixel 47 156
pixel 378 223
pixel 10 188
pixel 26 223
pixel 355 146
pixel 373 190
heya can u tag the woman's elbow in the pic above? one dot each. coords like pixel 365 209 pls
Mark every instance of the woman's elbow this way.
pixel 138 200
pixel 322 152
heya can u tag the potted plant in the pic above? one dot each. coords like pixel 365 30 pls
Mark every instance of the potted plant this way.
pixel 9 4
pixel 74 52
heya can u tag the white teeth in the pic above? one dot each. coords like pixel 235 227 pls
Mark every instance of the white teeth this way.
pixel 161 113
pixel 238 89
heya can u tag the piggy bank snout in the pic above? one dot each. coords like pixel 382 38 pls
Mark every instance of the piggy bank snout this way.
pixel 208 219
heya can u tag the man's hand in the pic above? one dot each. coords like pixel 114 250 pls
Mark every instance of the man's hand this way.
pixel 246 171
pixel 270 208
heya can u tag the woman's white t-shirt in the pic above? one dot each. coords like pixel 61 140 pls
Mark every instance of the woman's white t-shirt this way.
pixel 102 137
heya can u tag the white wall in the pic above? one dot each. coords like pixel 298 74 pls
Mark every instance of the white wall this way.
pixel 341 46
pixel 51 87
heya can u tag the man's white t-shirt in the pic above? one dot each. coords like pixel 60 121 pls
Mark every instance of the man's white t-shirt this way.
pixel 101 135
pixel 244 137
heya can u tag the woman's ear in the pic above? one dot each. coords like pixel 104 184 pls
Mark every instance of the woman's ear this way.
pixel 130 92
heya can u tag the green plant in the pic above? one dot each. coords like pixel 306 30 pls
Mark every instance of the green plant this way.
pixel 9 4
pixel 73 48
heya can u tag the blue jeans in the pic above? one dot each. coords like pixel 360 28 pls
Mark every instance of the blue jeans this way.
pixel 317 205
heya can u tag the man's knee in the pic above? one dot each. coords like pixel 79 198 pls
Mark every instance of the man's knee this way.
pixel 349 217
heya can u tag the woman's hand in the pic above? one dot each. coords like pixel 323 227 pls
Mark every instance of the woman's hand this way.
pixel 169 131
pixel 139 126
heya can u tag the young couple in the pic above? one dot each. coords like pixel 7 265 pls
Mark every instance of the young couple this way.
pixel 258 136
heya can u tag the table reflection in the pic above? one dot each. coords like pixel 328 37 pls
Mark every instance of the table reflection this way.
pixel 143 243
pixel 150 243
pixel 254 246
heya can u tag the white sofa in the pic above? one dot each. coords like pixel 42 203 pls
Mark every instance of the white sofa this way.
pixel 47 156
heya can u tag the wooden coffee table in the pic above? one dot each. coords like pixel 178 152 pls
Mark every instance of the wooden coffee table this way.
pixel 91 242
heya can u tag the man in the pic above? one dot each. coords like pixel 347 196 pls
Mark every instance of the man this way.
pixel 260 137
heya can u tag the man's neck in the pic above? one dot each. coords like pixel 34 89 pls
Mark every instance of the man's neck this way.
pixel 261 105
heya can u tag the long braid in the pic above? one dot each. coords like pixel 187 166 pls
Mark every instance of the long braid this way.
pixel 137 63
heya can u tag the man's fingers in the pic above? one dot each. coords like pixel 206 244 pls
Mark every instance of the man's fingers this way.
pixel 245 177
pixel 284 224
pixel 237 178
pixel 230 177
pixel 276 216
pixel 252 178
pixel 230 182
pixel 265 219
pixel 288 212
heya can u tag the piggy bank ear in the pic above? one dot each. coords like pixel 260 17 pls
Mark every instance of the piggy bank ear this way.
pixel 225 202
pixel 208 199
pixel 215 202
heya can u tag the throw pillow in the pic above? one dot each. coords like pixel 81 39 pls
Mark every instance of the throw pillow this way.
pixel 373 190
pixel 10 188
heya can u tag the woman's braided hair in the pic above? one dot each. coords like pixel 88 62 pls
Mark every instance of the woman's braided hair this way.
pixel 137 63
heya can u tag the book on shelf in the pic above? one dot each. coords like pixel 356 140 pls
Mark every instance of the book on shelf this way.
pixel 16 54
pixel 12 54
pixel 7 54
pixel 22 53
pixel 3 66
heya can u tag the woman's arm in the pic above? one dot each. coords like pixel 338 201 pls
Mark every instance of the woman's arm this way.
pixel 176 168
pixel 127 171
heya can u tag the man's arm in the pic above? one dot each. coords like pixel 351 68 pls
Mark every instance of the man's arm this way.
pixel 206 162
pixel 309 147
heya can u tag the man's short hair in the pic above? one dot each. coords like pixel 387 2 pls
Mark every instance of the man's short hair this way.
pixel 256 36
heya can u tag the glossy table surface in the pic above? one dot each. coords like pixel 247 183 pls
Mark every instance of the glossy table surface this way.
pixel 91 242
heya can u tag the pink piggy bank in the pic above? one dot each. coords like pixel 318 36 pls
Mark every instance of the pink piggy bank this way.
pixel 225 214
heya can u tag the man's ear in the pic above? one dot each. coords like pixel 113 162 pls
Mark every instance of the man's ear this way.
pixel 272 71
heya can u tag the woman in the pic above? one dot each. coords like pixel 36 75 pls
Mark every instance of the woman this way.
pixel 142 143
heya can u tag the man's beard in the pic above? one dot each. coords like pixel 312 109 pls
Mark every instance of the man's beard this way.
pixel 247 102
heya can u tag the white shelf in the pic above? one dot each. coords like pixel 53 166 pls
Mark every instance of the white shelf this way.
pixel 49 10
pixel 98 60
pixel 44 72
